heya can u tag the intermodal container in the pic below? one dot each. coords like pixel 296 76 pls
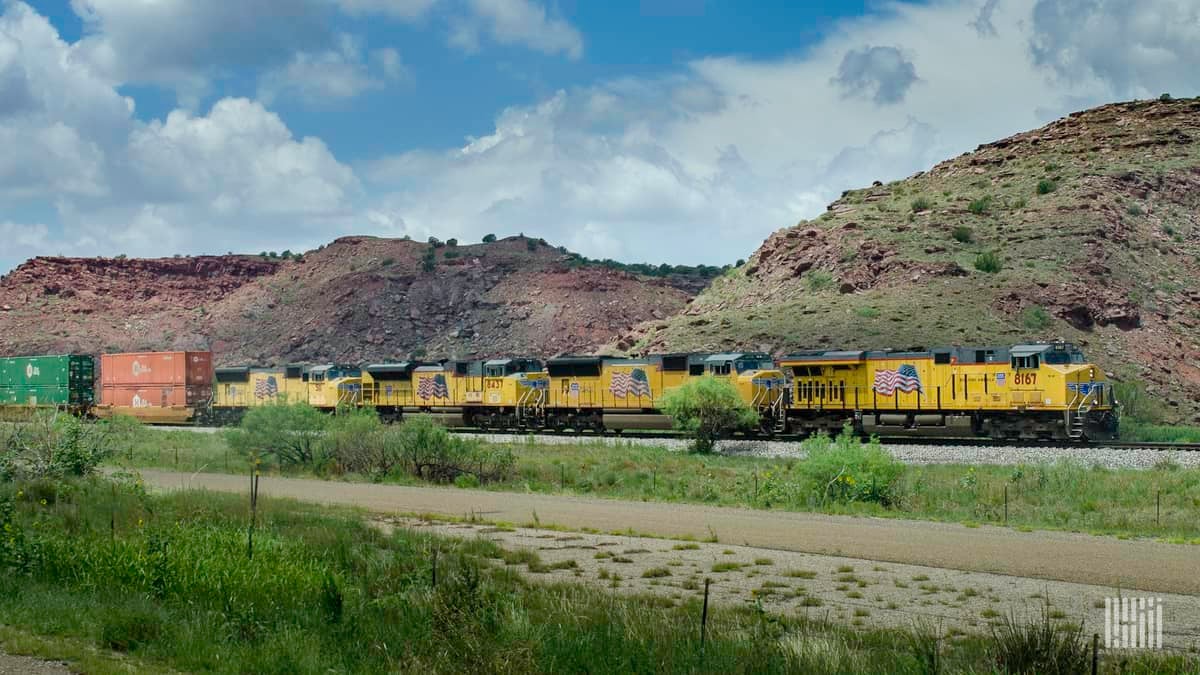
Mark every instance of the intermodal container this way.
pixel 155 396
pixel 62 380
pixel 157 368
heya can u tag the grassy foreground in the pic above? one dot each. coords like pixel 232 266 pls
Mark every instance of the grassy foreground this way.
pixel 1161 502
pixel 167 582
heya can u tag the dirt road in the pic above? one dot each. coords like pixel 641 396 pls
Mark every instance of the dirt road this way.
pixel 1102 561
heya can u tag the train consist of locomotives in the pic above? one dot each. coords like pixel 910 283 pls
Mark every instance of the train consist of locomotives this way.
pixel 1043 391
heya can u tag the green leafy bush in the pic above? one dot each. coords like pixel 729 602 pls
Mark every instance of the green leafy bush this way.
pixel 289 432
pixel 489 238
pixel 708 408
pixel 1046 186
pixel 963 234
pixel 988 262
pixel 846 469
pixel 921 204
pixel 1136 404
pixel 55 445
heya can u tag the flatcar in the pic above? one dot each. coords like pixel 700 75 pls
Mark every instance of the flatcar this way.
pixel 1038 391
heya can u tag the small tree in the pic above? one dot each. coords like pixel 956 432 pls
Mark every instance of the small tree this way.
pixel 489 238
pixel 289 431
pixel 708 408
pixel 452 242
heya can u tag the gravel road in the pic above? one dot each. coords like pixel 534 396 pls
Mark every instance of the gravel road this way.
pixel 1062 556
pixel 25 665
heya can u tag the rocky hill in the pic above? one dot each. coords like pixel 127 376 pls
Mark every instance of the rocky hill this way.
pixel 1087 229
pixel 357 299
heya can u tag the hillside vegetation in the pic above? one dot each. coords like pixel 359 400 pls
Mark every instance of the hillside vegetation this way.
pixel 1087 229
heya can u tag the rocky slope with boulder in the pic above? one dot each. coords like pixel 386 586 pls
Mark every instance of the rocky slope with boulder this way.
pixel 1087 229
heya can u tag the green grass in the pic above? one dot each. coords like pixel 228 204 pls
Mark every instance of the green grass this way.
pixel 1159 433
pixel 118 580
pixel 1065 496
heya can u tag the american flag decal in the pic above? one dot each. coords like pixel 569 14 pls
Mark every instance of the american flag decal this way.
pixel 630 383
pixel 266 387
pixel 433 386
pixel 905 378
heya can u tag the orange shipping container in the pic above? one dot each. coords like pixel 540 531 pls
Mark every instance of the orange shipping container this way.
pixel 156 368
pixel 163 396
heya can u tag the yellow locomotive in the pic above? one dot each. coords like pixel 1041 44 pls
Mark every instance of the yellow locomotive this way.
pixel 600 393
pixel 1044 391
pixel 238 389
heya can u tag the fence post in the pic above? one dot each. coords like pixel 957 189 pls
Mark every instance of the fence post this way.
pixel 562 477
pixel 756 487
pixel 435 552
pixel 704 616
pixel 1095 652
pixel 1158 507
pixel 1006 504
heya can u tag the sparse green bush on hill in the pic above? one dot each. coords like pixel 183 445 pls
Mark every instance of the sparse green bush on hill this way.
pixel 921 204
pixel 1036 318
pixel 980 206
pixel 452 242
pixel 818 280
pixel 55 445
pixel 963 234
pixel 988 262
pixel 708 408
pixel 531 244
pixel 1046 186
pixel 489 238
pixel 866 312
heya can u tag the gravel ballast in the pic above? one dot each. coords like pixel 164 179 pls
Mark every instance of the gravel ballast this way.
pixel 909 453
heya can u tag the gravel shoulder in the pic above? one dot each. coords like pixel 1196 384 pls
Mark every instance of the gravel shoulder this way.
pixel 1060 556
pixel 27 665
pixel 846 590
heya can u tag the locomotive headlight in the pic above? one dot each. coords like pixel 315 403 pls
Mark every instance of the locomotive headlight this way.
pixel 1092 374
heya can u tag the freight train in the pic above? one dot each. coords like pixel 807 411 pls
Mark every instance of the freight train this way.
pixel 1042 391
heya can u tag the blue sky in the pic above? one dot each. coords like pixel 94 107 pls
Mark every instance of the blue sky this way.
pixel 678 131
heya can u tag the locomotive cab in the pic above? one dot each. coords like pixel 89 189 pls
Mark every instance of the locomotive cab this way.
pixel 514 393
pixel 757 381
pixel 333 385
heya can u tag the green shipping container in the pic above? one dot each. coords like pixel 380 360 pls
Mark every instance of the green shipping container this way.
pixel 56 381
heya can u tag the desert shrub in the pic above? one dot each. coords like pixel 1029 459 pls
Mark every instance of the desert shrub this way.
pixel 921 204
pixel 451 254
pixel 531 244
pixel 1134 210
pixel 963 234
pixel 708 408
pixel 354 441
pixel 1036 318
pixel 1039 647
pixel 846 469
pixel 452 242
pixel 427 451
pixel 866 312
pixel 289 432
pixel 988 262
pixel 1046 186
pixel 980 206
pixel 435 242
pixel 818 280
pixel 1164 97
pixel 55 445
pixel 489 238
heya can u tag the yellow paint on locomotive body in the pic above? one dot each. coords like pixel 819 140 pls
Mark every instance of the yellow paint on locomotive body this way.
pixel 755 377
pixel 607 383
pixel 246 387
pixel 508 384
pixel 1041 377
pixel 389 385
pixel 331 386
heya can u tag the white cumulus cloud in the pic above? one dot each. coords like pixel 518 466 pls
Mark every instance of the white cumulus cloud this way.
pixel 515 22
